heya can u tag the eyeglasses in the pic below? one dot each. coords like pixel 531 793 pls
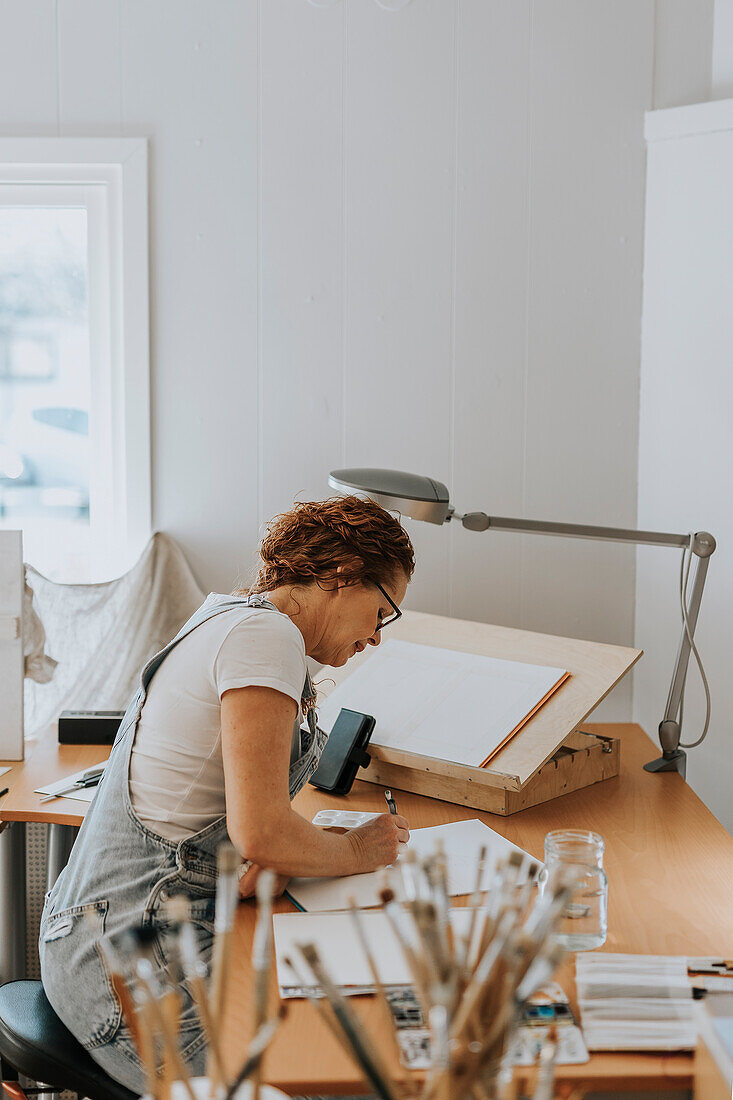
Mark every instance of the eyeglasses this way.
pixel 393 618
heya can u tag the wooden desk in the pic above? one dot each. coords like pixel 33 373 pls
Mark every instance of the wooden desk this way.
pixel 46 762
pixel 670 869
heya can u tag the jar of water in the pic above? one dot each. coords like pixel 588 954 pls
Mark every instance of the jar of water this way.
pixel 585 920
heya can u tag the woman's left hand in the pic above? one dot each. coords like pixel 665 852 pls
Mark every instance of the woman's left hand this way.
pixel 248 882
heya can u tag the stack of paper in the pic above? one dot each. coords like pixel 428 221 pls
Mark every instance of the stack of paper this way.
pixel 462 842
pixel 442 703
pixel 66 785
pixel 635 1002
pixel 336 938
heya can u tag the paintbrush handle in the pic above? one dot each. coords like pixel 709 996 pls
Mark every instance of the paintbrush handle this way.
pixel 129 1013
pixel 201 1000
pixel 261 990
pixel 146 1048
pixel 170 1014
pixel 169 1023
pixel 255 1054
pixel 217 996
pixel 412 960
pixel 220 955
pixel 366 1054
pixel 261 996
pixel 378 987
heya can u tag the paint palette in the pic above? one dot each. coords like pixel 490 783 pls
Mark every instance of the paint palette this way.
pixel 342 819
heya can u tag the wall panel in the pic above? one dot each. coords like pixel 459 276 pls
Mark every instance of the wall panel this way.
pixel 685 442
pixel 28 69
pixel 684 41
pixel 490 302
pixel 722 59
pixel 90 80
pixel 189 73
pixel 301 227
pixel 400 196
pixel 591 76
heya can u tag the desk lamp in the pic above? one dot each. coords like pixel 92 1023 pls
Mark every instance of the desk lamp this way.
pixel 424 498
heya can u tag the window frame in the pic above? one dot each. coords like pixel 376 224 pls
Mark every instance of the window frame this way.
pixel 109 176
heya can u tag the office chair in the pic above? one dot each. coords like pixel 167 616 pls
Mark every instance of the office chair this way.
pixel 35 1043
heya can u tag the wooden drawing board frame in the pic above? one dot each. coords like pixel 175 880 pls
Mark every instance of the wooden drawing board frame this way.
pixel 594 667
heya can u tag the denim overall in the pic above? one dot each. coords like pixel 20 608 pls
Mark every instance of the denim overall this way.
pixel 120 875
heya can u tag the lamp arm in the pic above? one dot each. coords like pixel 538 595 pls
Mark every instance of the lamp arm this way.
pixel 701 544
pixel 479 521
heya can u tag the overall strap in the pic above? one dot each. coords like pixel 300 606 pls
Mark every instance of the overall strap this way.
pixel 209 609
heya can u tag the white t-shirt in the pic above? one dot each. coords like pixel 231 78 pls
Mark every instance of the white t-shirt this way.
pixel 176 770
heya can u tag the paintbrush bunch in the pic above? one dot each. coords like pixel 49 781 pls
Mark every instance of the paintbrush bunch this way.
pixel 150 994
pixel 471 976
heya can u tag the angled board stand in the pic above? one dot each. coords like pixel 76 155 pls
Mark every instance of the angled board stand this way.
pixel 549 756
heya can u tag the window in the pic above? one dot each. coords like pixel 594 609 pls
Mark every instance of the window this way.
pixel 74 360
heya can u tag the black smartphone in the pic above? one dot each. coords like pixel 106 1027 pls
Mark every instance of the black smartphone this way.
pixel 345 752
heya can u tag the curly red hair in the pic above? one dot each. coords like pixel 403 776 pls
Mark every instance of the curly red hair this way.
pixel 307 544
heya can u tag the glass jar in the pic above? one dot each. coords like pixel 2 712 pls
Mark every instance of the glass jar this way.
pixel 585 920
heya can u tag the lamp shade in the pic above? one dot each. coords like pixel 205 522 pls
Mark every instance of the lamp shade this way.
pixel 413 495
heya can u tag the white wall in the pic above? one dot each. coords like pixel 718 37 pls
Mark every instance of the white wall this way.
pixel 722 67
pixel 406 239
pixel 686 442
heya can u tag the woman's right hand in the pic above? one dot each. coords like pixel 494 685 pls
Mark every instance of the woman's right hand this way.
pixel 376 844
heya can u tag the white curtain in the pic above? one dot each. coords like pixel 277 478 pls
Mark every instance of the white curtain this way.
pixel 87 643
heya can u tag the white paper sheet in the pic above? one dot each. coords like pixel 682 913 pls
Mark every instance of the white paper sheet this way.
pixel 439 702
pixel 83 794
pixel 462 842
pixel 635 1002
pixel 340 948
pixel 4 770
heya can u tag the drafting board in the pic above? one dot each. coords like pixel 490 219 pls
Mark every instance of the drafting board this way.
pixel 594 667
pixel 458 707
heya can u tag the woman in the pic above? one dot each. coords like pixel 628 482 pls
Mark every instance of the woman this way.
pixel 211 745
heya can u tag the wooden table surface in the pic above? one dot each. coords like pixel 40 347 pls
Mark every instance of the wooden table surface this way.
pixel 670 870
pixel 9 779
pixel 47 762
